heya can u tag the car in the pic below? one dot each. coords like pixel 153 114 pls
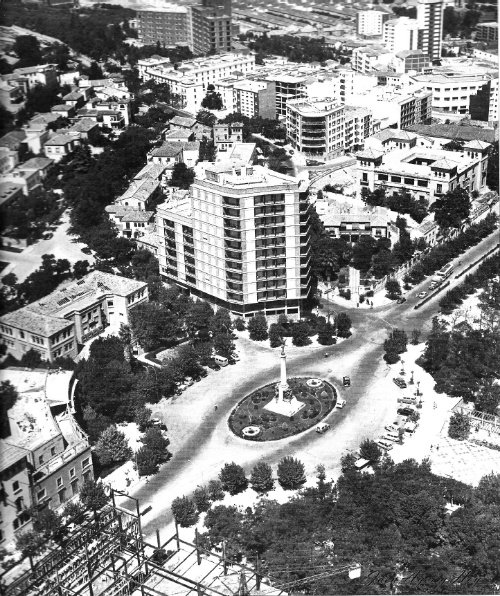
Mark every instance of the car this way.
pixel 322 427
pixel 47 236
pixel 178 392
pixel 213 365
pixel 202 373
pixel 406 411
pixel 188 381
pixel 340 403
pixel 401 300
pixel 422 295
pixel 158 423
pixel 346 381
pixel 231 360
pixel 401 383
pixel 235 356
pixel 384 444
pixel 392 428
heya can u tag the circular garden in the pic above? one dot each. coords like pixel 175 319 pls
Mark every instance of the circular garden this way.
pixel 319 400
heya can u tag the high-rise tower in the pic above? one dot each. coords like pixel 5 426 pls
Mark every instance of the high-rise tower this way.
pixel 430 25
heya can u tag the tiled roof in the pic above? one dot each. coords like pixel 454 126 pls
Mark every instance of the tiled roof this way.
pixel 33 321
pixel 10 454
pixel 457 132
pixel 182 121
pixel 444 164
pixel 151 170
pixel 141 190
pixel 176 133
pixel 60 140
pixel 36 163
pixel 394 134
pixel 83 125
pixel 12 139
pixel 141 216
pixel 61 108
pixel 370 154
pixel 167 150
pixel 73 96
pixel 477 145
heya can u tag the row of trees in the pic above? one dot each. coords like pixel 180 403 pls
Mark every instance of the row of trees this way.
pixel 393 522
pixel 232 479
pixel 401 202
pixel 296 49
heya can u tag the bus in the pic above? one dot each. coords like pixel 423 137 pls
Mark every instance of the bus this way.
pixel 445 272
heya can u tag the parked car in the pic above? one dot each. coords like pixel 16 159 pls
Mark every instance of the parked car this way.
pixel 422 294
pixel 213 365
pixel 231 360
pixel 340 403
pixel 188 381
pixel 401 300
pixel 391 428
pixel 86 250
pixel 401 383
pixel 202 373
pixel 322 427
pixel 235 356
pixel 346 381
pixel 406 411
pixel 158 423
pixel 384 444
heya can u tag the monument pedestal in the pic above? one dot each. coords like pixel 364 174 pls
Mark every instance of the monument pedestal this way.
pixel 285 403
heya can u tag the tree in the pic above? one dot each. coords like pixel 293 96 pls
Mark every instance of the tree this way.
pixel 93 496
pixel 239 324
pixel 347 462
pixel 153 324
pixel 459 427
pixel 325 333
pixel 415 337
pixel 343 325
pixel 182 176
pixel 157 444
pixel 72 510
pixel 370 450
pixel 397 341
pixel 29 543
pixel 8 397
pixel 488 398
pixel 27 48
pixel 206 118
pixel 201 498
pixel 185 512
pixel 212 101
pixel 276 333
pixel 113 447
pixel 207 150
pixel 147 465
pixel 261 478
pixel 215 490
pixel 47 523
pixel 291 473
pixel 452 208
pixel 300 334
pixel 493 175
pixel 257 327
pixel 223 344
pixel 80 269
pixel 393 288
pixel 233 478
pixel 142 418
pixel 488 489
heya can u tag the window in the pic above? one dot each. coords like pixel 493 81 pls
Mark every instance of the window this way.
pixel 62 495
pixel 41 494
pixel 59 482
pixel 72 473
pixel 439 188
pixel 40 459
pixel 52 451
pixel 85 462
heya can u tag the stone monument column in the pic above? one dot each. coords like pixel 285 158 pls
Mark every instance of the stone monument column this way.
pixel 283 386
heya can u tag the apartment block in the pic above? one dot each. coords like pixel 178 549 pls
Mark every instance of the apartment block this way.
pixel 484 104
pixel 424 172
pixel 430 25
pixel 369 23
pixel 451 91
pixel 240 240
pixel 60 323
pixel 358 126
pixel 211 26
pixel 45 456
pixel 411 61
pixel 168 24
pixel 487 31
pixel 401 34
pixel 255 98
pixel 369 59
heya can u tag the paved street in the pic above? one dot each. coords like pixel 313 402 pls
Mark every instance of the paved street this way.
pixel 61 245
pixel 200 437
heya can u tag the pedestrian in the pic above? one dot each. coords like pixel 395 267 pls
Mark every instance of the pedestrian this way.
pixel 216 407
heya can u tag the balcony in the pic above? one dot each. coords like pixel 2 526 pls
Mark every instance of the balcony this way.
pixel 274 210
pixel 270 242
pixel 269 221
pixel 234 225
pixel 230 202
pixel 234 265
pixel 231 212
pixel 234 287
pixel 233 254
pixel 233 244
pixel 189 249
pixel 233 297
pixel 232 235
pixel 271 285
pixel 189 260
pixel 269 200
pixel 266 265
pixel 234 276
pixel 271 274
pixel 271 295
pixel 269 253
pixel 269 232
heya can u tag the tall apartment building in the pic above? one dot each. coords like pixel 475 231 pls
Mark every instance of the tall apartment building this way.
pixel 369 23
pixel 255 98
pixel 211 26
pixel 401 34
pixel 484 104
pixel 45 457
pixel 240 241
pixel 316 126
pixel 430 25
pixel 370 58
pixel 168 25
pixel 487 31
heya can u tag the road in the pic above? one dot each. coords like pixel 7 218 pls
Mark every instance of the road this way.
pixel 62 245
pixel 202 442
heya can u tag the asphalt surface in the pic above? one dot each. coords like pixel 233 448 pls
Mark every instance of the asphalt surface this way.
pixel 202 442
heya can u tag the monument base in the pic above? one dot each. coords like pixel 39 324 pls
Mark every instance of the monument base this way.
pixel 285 408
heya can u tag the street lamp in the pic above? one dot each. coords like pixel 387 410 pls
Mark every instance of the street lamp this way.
pixel 411 380
pixel 418 387
pixel 402 372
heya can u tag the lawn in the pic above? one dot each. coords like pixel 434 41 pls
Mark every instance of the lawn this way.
pixel 251 411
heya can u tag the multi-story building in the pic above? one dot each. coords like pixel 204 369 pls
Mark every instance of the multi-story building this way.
pixel 168 24
pixel 484 104
pixel 28 77
pixel 487 31
pixel 59 323
pixel 45 456
pixel 241 240
pixel 227 135
pixel 368 59
pixel 369 23
pixel 397 108
pixel 255 98
pixel 423 172
pixel 191 79
pixel 129 222
pixel 316 127
pixel 211 26
pixel 358 126
pixel 413 61
pixel 451 91
pixel 400 34
pixel 430 25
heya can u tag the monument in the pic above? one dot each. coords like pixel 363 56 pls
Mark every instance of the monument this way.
pixel 285 402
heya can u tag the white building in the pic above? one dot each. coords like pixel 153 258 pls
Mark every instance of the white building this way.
pixel 369 23
pixel 401 34
pixel 367 59
pixel 240 240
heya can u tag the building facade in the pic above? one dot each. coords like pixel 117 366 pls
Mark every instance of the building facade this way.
pixel 401 34
pixel 241 240
pixel 487 31
pixel 430 25
pixel 369 23
pixel 60 323
pixel 484 104
pixel 168 25
pixel 413 61
pixel 211 26
pixel 425 173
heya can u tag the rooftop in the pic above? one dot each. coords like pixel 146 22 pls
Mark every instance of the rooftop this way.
pixel 314 107
pixel 182 121
pixel 457 132
pixel 10 454
pixel 60 140
pixel 171 149
pixel 83 125
pixel 13 139
pixel 394 134
pixel 177 133
pixel 36 163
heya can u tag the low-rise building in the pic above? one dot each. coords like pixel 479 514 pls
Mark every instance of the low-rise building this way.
pixel 63 110
pixel 45 456
pixel 129 222
pixel 425 173
pixel 58 324
pixel 226 135
pixel 351 223
pixel 8 160
pixel 140 194
pixel 484 104
pixel 41 165
pixel 85 128
pixel 410 61
pixel 391 138
pixel 11 96
pixel 10 191
pixel 60 145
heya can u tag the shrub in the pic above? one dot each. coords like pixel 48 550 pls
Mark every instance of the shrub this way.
pixel 147 465
pixel 113 447
pixel 184 511
pixel 239 324
pixel 291 473
pixel 459 427
pixel 261 478
pixel 233 478
pixel 370 450
pixel 257 326
pixel 201 498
